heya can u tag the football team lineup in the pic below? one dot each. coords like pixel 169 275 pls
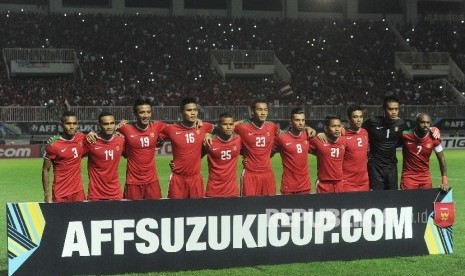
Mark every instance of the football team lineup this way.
pixel 361 157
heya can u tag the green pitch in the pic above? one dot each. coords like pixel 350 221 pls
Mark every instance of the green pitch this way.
pixel 20 181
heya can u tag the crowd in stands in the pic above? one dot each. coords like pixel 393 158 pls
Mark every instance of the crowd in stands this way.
pixel 167 58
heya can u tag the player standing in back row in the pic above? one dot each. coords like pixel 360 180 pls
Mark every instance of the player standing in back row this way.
pixel 293 147
pixel 418 144
pixel 384 134
pixel 64 152
pixel 355 158
pixel 103 160
pixel 186 139
pixel 141 141
pixel 257 136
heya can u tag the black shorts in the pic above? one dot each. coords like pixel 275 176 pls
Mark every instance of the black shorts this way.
pixel 382 176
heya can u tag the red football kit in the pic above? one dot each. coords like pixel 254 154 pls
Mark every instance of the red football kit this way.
pixel 222 159
pixel 102 167
pixel 66 158
pixel 415 165
pixel 294 156
pixel 186 180
pixel 257 176
pixel 355 161
pixel 141 167
pixel 330 156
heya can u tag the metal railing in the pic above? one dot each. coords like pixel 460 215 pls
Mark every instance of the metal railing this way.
pixel 243 56
pixel 421 58
pixel 11 114
pixel 39 55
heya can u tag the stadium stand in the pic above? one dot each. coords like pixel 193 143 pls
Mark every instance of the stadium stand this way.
pixel 167 58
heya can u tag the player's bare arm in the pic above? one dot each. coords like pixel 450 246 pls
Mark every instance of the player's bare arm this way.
pixel 443 168
pixel 46 180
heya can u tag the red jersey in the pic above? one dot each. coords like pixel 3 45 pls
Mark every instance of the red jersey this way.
pixel 102 168
pixel 355 157
pixel 222 166
pixel 330 157
pixel 294 156
pixel 66 158
pixel 417 151
pixel 258 143
pixel 187 147
pixel 140 151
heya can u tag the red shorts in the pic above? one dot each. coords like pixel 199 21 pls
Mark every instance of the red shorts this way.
pixel 117 197
pixel 79 196
pixel 185 187
pixel 356 187
pixel 295 193
pixel 415 181
pixel 336 186
pixel 147 191
pixel 223 188
pixel 257 184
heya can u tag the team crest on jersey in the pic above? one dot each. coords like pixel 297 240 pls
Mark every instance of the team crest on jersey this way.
pixel 234 148
pixel 197 131
pixel 267 133
pixel 152 134
pixel 396 128
pixel 117 148
pixel 429 145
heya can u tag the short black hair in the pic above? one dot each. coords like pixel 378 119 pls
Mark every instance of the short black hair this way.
pixel 67 113
pixel 390 99
pixel 187 100
pixel 353 108
pixel 259 100
pixel 421 114
pixel 297 110
pixel 141 101
pixel 225 115
pixel 331 117
pixel 103 114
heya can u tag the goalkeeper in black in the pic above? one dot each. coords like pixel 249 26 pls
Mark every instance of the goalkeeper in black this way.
pixel 384 135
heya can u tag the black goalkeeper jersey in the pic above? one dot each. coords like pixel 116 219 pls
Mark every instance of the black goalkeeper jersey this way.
pixel 384 137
